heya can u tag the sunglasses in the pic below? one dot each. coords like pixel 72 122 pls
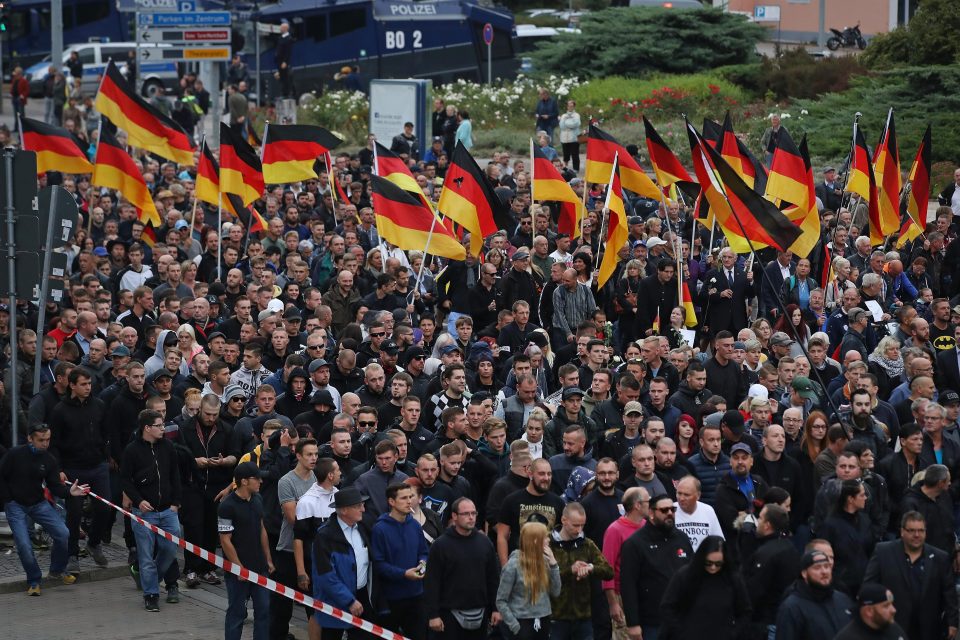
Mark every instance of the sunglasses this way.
pixel 667 509
pixel 237 399
pixel 377 335
pixel 366 424
pixel 714 563
pixel 418 358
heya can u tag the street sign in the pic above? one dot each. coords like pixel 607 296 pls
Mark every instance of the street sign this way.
pixel 186 19
pixel 766 13
pixel 157 54
pixel 184 36
pixel 64 218
pixel 488 34
pixel 27 273
pixel 130 6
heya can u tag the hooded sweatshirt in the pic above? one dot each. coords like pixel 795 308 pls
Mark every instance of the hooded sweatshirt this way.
pixel 156 361
pixel 397 547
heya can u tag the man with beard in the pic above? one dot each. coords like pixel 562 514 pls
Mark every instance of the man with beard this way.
pixel 319 371
pixel 603 503
pixel 865 426
pixel 345 376
pixel 648 560
pixel 535 503
pixel 813 609
pixel 454 378
pixel 777 469
pixel 372 393
pixel 875 615
pixel 692 392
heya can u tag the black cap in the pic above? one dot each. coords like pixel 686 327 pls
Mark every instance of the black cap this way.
pixel 949 397
pixel 316 364
pixel 348 497
pixel 216 289
pixel 734 420
pixel 413 352
pixel 872 593
pixel 811 558
pixel 213 299
pixel 215 334
pixel 571 392
pixel 292 314
pixel 160 373
pixel 390 347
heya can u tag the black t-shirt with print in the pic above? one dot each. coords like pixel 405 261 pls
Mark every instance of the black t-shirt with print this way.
pixel 520 507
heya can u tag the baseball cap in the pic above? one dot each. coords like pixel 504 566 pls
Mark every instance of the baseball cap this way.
pixel 213 300
pixel 120 351
pixel 758 391
pixel 213 336
pixel 740 345
pixel 804 388
pixel 713 420
pixel 450 348
pixel 854 314
pixel 811 558
pixel 655 242
pixel 181 224
pixel 316 364
pixel 780 339
pixel 633 407
pixel 413 352
pixel 160 373
pixel 949 397
pixel 520 255
pixel 246 470
pixel 632 220
pixel 571 392
pixel 390 347
pixel 276 306
pixel 741 446
pixel 292 314
pixel 872 593
pixel 263 315
pixel 100 251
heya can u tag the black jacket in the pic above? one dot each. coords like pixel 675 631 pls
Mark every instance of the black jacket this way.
pixel 688 401
pixel 23 473
pixel 648 561
pixel 452 557
pixel 151 472
pixel 219 441
pixel 938 514
pixel 924 614
pixel 79 433
pixel 717 608
pixel 811 613
pixel 768 572
pixel 850 534
pixel 729 501
pixel 124 410
pixel 520 285
pixel 858 630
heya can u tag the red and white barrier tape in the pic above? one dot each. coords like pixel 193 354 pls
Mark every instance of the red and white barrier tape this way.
pixel 263 581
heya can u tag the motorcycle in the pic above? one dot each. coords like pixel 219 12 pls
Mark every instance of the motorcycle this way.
pixel 849 37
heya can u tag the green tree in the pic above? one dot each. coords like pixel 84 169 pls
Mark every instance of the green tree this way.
pixel 634 41
pixel 929 38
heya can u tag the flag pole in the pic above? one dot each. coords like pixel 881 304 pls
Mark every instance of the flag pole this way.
pixel 423 262
pixel 193 215
pixel 853 144
pixel 220 236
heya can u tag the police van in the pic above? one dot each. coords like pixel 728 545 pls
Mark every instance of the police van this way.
pixel 154 76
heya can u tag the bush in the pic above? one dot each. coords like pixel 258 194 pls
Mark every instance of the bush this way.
pixel 929 39
pixel 635 41
pixel 346 113
pixel 794 75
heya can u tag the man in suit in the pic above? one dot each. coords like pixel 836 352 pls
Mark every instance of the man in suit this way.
pixel 777 271
pixel 920 578
pixel 948 366
pixel 728 288
pixel 829 192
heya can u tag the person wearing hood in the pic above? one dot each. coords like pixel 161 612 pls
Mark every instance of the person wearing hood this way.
pixel 494 446
pixel 296 399
pixel 399 554
pixel 165 341
pixel 692 392
pixel 319 416
pixel 812 608
pixel 581 482
pixel 575 454
pixel 581 562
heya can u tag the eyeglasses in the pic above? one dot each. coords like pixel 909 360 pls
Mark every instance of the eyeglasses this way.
pixel 466 513
pixel 315 346
pixel 818 425
pixel 418 358
pixel 713 563
pixel 236 399
pixel 377 335
pixel 667 509
pixel 915 532
pixel 156 426
pixel 366 424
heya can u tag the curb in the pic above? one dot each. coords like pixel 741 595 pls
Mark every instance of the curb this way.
pixel 113 570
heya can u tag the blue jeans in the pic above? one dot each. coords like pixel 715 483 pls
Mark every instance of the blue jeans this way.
pixel 651 632
pixel 237 593
pixel 44 514
pixel 151 568
pixel 571 630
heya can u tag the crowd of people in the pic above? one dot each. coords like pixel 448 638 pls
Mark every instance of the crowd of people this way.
pixel 457 448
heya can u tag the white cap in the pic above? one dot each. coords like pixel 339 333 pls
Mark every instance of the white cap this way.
pixel 758 391
pixel 275 305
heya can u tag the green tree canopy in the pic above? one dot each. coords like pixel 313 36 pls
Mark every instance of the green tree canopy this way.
pixel 929 38
pixel 634 41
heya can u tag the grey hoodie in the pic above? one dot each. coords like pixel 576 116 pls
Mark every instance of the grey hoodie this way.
pixel 512 601
pixel 155 362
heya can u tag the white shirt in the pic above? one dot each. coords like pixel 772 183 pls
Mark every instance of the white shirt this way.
pixel 352 534
pixel 698 525
pixel 784 270
pixel 955 202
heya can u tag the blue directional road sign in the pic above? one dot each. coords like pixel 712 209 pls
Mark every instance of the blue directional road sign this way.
pixel 186 19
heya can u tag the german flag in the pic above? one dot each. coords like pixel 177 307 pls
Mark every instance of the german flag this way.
pixel 735 152
pixel 712 132
pixel 115 169
pixel 390 166
pixel 469 200
pixel 250 133
pixel 290 151
pixel 863 182
pixel 55 148
pixel 920 182
pixel 886 168
pixel 149 235
pixel 601 149
pixel 240 170
pixel 547 184
pixel 742 213
pixel 666 166
pixel 207 186
pixel 690 317
pixel 146 127
pixel 617 230
pixel 405 221
pixel 790 185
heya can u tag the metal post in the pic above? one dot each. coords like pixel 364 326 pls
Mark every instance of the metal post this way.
pixel 9 209
pixel 136 65
pixel 822 27
pixel 256 49
pixel 2 38
pixel 44 287
pixel 215 106
pixel 56 33
pixel 220 236
pixel 490 63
